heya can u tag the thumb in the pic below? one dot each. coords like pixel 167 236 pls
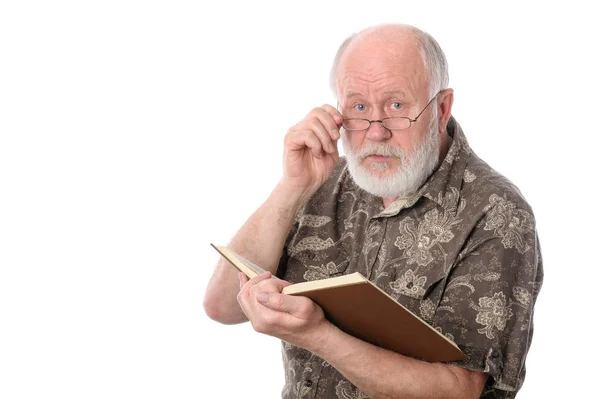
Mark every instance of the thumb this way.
pixel 276 301
pixel 281 284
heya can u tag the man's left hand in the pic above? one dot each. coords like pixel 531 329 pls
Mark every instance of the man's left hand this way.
pixel 294 319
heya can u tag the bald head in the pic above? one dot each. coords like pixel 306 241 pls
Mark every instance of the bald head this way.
pixel 416 50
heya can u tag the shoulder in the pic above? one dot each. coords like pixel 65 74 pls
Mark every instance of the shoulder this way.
pixel 477 183
pixel 497 208
pixel 487 188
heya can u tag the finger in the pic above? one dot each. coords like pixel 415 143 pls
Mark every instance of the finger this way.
pixel 243 279
pixel 256 280
pixel 284 283
pixel 335 155
pixel 278 302
pixel 245 287
pixel 335 114
pixel 242 296
pixel 337 118
pixel 321 132
pixel 328 120
pixel 301 139
pixel 249 284
pixel 271 285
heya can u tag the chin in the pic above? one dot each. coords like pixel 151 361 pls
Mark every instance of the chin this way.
pixel 389 179
pixel 381 169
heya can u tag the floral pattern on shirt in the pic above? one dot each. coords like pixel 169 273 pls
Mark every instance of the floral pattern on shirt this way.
pixel 509 222
pixel 462 253
pixel 417 241
pixel 493 312
pixel 345 390
pixel 409 284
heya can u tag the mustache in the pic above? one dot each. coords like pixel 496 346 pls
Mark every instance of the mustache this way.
pixel 380 149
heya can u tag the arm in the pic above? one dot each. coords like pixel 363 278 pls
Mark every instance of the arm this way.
pixel 261 240
pixel 377 372
pixel 310 155
pixel 385 374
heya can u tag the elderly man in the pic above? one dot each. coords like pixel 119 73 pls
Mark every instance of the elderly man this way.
pixel 413 209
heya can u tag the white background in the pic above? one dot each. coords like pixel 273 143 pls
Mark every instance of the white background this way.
pixel 133 134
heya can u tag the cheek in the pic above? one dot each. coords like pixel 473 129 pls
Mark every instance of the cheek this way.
pixel 405 143
pixel 408 141
pixel 355 139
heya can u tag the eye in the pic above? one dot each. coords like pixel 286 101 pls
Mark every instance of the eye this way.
pixel 396 105
pixel 360 107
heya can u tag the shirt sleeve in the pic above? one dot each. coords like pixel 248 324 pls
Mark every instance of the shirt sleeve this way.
pixel 487 304
pixel 283 260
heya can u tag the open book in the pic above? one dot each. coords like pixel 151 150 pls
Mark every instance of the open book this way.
pixel 360 308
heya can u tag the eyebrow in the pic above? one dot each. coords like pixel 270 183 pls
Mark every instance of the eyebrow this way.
pixel 353 94
pixel 399 92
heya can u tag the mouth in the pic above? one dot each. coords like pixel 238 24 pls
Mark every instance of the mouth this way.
pixel 378 158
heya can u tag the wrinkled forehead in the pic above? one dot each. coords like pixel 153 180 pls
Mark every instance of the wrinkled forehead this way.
pixel 382 65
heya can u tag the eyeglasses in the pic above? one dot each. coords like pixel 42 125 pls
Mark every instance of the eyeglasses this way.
pixel 396 123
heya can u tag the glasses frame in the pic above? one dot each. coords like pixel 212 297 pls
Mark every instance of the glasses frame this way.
pixel 382 121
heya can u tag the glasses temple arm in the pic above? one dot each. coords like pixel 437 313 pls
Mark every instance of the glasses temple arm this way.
pixel 420 113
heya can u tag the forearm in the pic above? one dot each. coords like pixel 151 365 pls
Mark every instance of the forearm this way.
pixel 259 240
pixel 385 374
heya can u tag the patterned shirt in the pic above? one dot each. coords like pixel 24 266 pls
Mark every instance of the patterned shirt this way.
pixel 462 253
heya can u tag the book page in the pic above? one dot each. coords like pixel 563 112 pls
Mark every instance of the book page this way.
pixel 256 268
pixel 242 264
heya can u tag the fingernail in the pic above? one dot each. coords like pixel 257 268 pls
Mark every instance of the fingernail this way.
pixel 263 297
pixel 335 133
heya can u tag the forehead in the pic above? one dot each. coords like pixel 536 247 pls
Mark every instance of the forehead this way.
pixel 379 66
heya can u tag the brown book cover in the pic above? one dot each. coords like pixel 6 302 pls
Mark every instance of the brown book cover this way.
pixel 360 308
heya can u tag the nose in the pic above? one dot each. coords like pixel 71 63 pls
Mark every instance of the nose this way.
pixel 378 132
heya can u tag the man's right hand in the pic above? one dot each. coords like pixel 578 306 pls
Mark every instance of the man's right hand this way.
pixel 310 154
pixel 310 151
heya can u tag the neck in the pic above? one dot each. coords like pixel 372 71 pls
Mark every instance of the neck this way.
pixel 387 201
pixel 445 142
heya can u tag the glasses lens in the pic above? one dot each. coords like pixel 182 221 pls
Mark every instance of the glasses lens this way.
pixel 355 124
pixel 396 123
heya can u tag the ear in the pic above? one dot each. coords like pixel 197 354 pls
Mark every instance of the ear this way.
pixel 444 102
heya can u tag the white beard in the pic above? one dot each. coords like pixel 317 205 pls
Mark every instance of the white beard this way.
pixel 414 168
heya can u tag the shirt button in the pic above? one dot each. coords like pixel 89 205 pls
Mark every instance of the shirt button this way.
pixel 311 256
pixel 308 383
pixel 495 354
